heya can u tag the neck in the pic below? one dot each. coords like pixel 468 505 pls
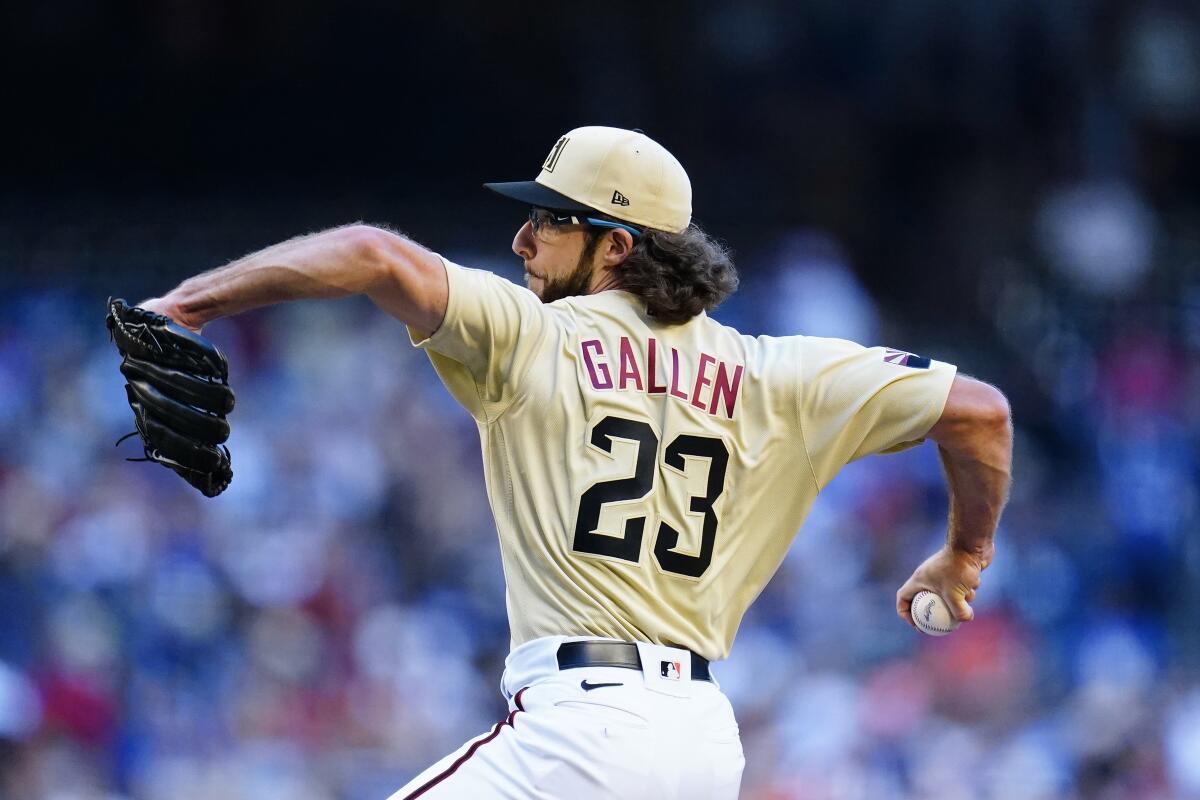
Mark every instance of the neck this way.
pixel 602 280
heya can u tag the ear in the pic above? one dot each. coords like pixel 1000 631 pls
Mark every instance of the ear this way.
pixel 616 248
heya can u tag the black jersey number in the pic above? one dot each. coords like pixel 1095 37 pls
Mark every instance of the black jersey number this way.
pixel 636 488
pixel 623 490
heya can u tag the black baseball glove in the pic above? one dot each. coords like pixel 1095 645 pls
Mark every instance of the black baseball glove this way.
pixel 179 391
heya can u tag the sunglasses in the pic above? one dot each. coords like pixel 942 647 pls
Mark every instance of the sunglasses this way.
pixel 539 218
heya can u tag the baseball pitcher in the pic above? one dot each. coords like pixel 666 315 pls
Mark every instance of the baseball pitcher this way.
pixel 647 466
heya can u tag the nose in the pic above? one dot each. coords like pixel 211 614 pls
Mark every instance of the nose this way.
pixel 523 244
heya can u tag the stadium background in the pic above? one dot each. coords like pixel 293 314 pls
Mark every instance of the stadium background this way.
pixel 1011 186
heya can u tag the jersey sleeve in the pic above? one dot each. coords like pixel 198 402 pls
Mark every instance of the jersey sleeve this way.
pixel 491 335
pixel 855 401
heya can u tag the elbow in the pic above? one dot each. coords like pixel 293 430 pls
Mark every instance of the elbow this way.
pixel 974 411
pixel 367 243
pixel 994 410
pixel 374 249
pixel 398 275
pixel 985 434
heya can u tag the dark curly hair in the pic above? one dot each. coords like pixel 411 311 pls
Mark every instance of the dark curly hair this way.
pixel 678 275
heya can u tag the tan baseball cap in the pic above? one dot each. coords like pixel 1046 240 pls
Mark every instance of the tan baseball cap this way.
pixel 621 174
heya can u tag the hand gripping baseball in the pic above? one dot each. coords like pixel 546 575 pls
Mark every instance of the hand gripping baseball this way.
pixel 179 391
pixel 952 574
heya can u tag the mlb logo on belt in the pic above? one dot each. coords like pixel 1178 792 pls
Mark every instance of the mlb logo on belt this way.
pixel 667 670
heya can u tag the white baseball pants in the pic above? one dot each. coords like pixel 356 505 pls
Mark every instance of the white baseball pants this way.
pixel 593 732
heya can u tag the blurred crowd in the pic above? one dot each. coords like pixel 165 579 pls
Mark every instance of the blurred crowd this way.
pixel 334 622
pixel 1008 186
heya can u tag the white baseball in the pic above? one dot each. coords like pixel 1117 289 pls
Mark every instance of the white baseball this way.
pixel 932 615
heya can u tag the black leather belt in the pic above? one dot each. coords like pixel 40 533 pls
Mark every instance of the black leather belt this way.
pixel 616 654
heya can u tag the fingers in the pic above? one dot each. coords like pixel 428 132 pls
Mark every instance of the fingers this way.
pixel 962 610
pixel 904 598
pixel 972 580
pixel 160 305
pixel 960 599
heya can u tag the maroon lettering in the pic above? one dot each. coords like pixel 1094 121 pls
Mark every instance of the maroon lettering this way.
pixel 675 376
pixel 701 380
pixel 725 389
pixel 711 393
pixel 629 367
pixel 593 366
pixel 652 371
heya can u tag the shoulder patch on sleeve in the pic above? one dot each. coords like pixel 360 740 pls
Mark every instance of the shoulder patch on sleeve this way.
pixel 905 359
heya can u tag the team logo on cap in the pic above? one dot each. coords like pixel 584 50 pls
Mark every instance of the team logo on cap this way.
pixel 555 152
pixel 620 199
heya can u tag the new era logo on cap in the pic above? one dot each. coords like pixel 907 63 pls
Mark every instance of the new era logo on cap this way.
pixel 585 167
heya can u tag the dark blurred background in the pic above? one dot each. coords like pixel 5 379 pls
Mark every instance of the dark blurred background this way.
pixel 1013 186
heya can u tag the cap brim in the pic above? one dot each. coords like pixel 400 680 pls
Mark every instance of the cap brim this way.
pixel 532 193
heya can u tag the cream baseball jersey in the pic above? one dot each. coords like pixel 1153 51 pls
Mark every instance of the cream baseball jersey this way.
pixel 647 479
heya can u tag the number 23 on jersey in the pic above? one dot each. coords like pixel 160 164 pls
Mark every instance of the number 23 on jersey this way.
pixel 628 545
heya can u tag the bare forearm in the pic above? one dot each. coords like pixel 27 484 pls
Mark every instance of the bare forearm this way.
pixel 978 480
pixel 332 263
pixel 974 437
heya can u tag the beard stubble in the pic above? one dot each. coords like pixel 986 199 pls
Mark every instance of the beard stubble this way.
pixel 577 281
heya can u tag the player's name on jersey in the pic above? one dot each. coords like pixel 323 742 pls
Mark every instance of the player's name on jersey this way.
pixel 706 382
